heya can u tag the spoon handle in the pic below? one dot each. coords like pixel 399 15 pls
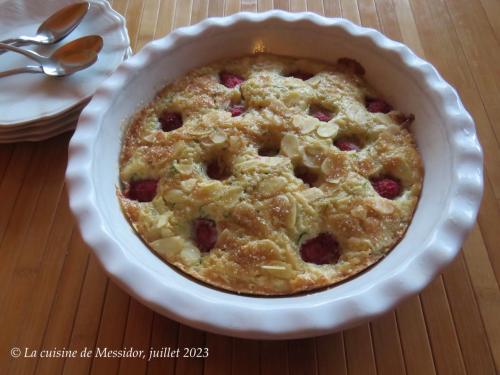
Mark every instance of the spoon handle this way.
pixel 26 69
pixel 12 42
pixel 30 54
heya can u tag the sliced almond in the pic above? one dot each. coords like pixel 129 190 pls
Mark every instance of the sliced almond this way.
pixel 190 256
pixel 184 168
pixel 278 269
pixel 328 130
pixel 340 121
pixel 162 220
pixel 290 145
pixel 218 138
pixel 169 246
pixel 188 185
pixel 312 194
pixel 273 185
pixel 328 166
pixel 199 130
pixel 174 196
pixel 382 206
pixel 305 124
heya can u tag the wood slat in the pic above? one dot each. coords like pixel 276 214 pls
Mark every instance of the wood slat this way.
pixel 298 5
pixel 5 155
pixel 245 357
pixel 302 357
pixel 263 5
pixel 448 358
pixel 331 354
pixel 359 351
pixel 137 337
pixel 220 357
pixel 415 343
pixel 468 323
pixel 387 345
pixel 111 328
pixel 164 334
pixel 274 357
pixel 87 318
pixel 65 305
pixel 486 290
pixel 189 338
pixel 36 289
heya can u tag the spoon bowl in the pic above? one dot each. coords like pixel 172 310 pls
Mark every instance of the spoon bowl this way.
pixel 74 56
pixel 67 59
pixel 56 27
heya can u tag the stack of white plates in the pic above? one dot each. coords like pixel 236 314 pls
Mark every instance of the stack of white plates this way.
pixel 35 107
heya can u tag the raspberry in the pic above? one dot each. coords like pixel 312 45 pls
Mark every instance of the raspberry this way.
pixel 170 121
pixel 237 110
pixel 205 234
pixel 299 74
pixel 230 80
pixel 142 191
pixel 346 145
pixel 321 113
pixel 217 169
pixel 322 116
pixel 387 187
pixel 323 249
pixel 377 105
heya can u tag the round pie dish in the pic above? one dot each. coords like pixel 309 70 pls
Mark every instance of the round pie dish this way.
pixel 443 130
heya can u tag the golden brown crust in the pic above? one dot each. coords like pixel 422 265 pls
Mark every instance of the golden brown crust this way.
pixel 263 212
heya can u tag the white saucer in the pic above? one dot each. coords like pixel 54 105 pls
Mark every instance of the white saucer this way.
pixel 40 132
pixel 30 98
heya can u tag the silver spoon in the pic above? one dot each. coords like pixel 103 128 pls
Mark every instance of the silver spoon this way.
pixel 56 27
pixel 67 59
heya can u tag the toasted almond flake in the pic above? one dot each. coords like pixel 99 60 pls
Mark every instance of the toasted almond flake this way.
pixel 328 166
pixel 310 161
pixel 273 267
pixel 340 121
pixel 188 185
pixel 382 206
pixel 174 196
pixel 292 216
pixel 169 246
pixel 312 194
pixel 151 137
pixel 278 269
pixel 162 221
pixel 198 130
pixel 312 155
pixel 231 196
pixel 218 138
pixel 272 185
pixel 328 130
pixel 209 189
pixel 184 168
pixel 290 145
pixel 358 244
pixel 305 124
pixel 190 256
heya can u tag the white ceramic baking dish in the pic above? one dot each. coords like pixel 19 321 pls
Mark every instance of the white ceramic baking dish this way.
pixel 443 129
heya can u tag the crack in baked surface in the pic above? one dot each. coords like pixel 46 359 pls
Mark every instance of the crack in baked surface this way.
pixel 270 175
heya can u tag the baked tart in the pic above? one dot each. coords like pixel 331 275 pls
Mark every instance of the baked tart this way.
pixel 270 175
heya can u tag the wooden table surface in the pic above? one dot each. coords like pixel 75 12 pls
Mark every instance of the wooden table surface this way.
pixel 54 295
